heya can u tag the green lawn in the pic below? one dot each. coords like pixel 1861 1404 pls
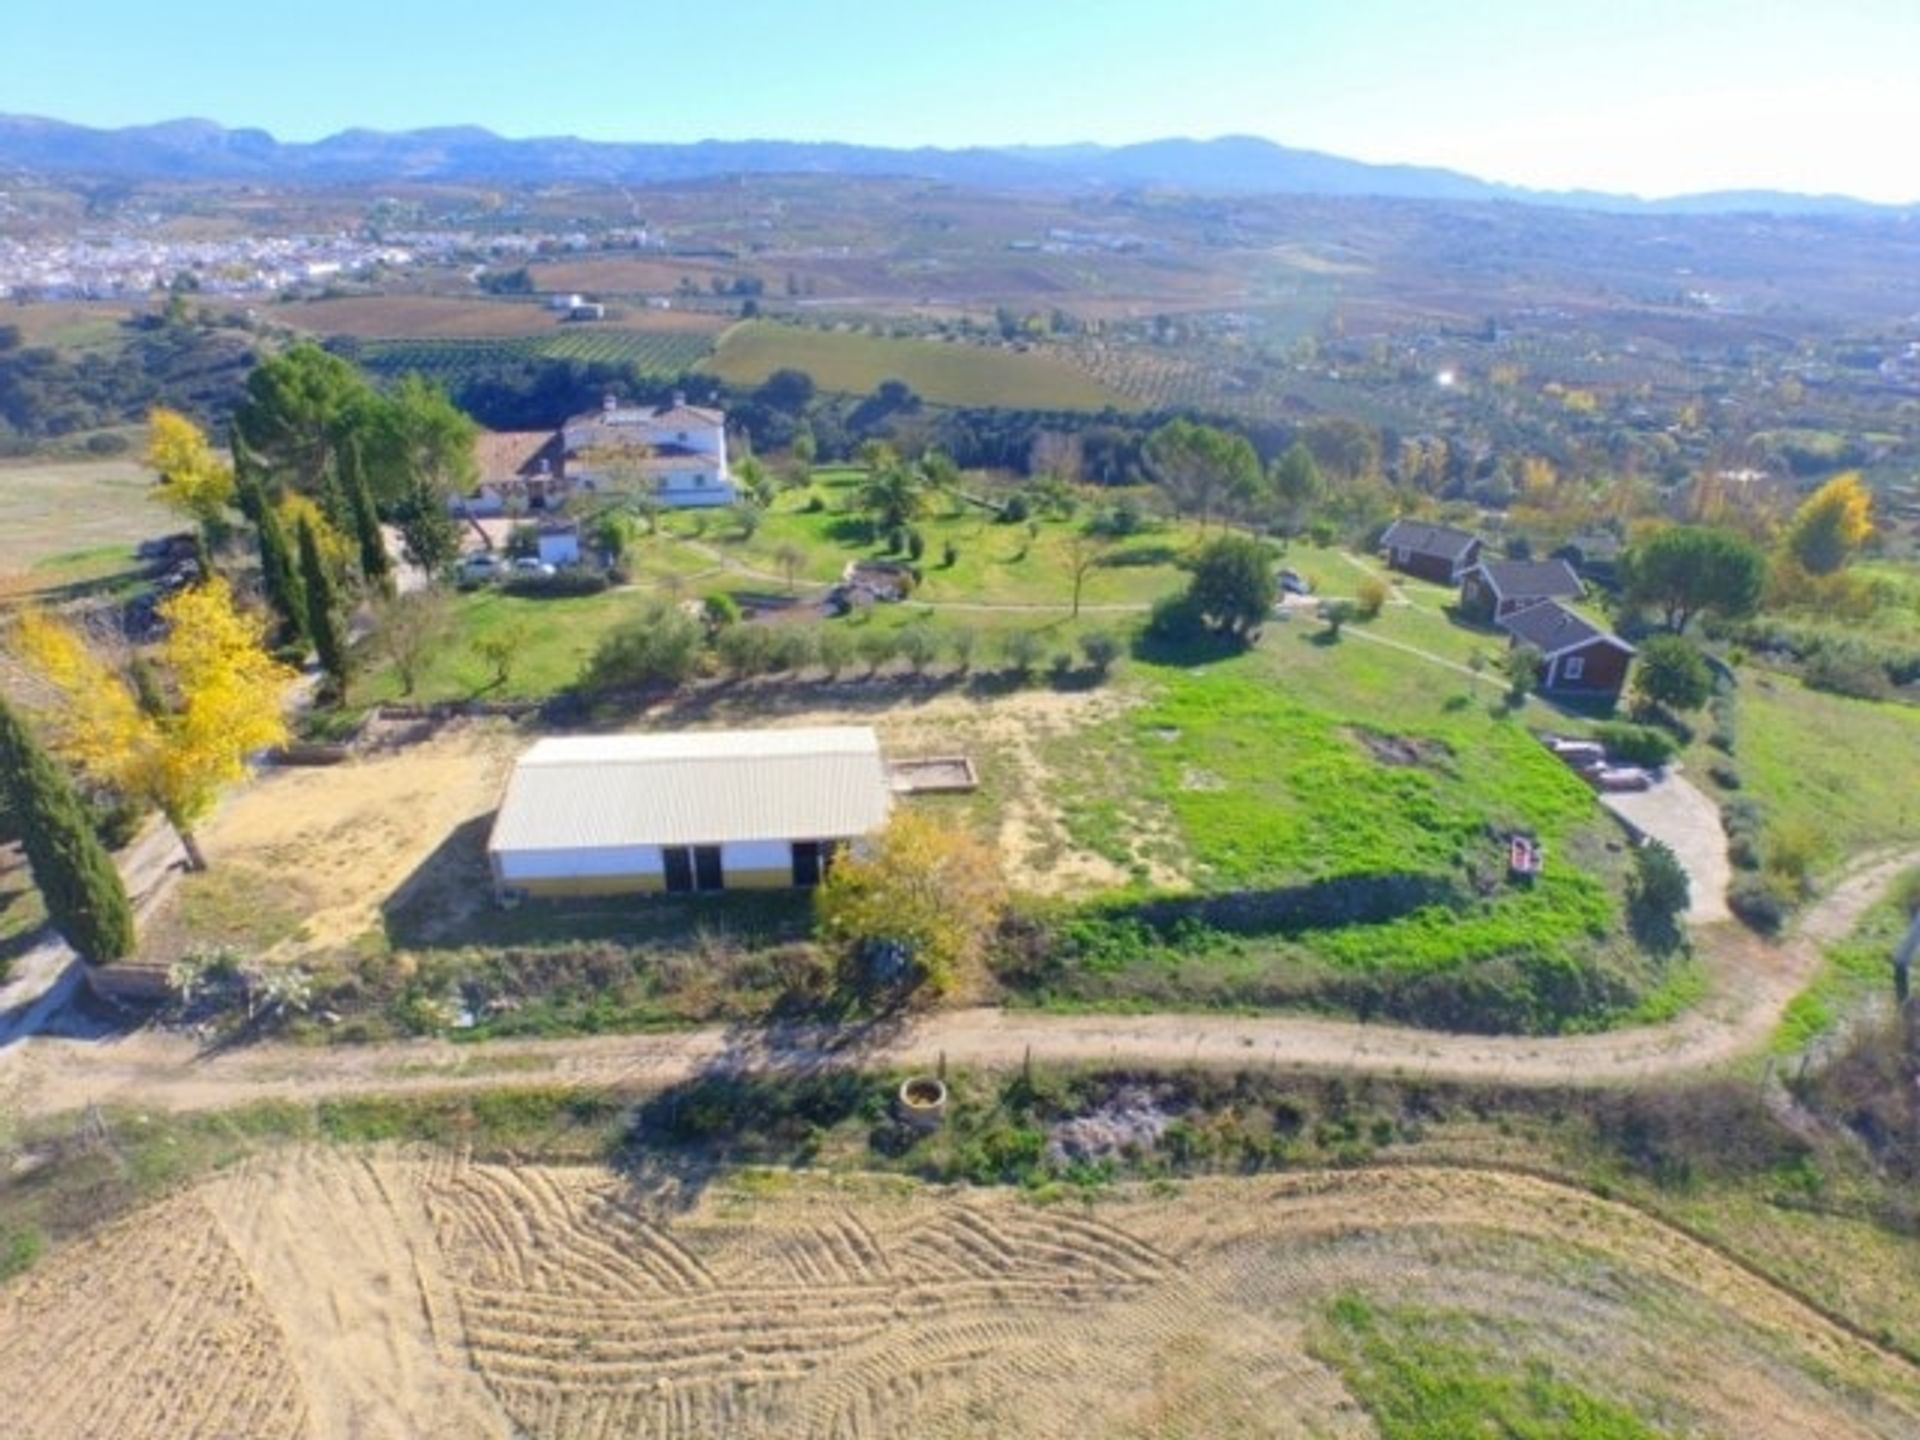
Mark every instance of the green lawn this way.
pixel 1361 794
pixel 946 374
pixel 556 636
pixel 995 563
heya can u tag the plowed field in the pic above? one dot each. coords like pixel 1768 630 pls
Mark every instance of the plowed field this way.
pixel 375 1294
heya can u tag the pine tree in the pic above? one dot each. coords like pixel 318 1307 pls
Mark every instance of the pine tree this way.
pixel 281 580
pixel 84 895
pixel 323 611
pixel 375 565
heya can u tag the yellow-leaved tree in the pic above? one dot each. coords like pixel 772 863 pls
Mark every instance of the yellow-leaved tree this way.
pixel 218 696
pixel 1831 525
pixel 194 480
pixel 915 906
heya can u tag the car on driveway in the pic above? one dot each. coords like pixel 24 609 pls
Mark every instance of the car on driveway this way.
pixel 481 566
pixel 1293 583
pixel 529 565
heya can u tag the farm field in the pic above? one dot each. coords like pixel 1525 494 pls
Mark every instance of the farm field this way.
pixel 324 1293
pixel 444 360
pixel 446 317
pixel 939 372
pixel 75 521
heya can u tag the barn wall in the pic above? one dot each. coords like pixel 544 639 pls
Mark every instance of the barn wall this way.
pixel 518 867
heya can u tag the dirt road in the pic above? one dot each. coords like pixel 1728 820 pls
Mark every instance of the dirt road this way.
pixel 1750 984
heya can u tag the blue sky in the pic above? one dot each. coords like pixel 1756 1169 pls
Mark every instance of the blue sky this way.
pixel 1635 95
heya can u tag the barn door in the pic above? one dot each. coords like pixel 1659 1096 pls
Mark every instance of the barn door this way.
pixel 706 867
pixel 806 863
pixel 679 870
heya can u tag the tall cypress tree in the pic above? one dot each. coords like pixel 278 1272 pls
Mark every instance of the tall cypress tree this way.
pixel 375 566
pixel 85 897
pixel 278 575
pixel 323 611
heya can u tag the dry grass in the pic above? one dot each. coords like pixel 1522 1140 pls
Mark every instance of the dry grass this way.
pixel 373 1293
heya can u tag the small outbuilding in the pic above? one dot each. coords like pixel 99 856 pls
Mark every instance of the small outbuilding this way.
pixel 685 811
pixel 1494 589
pixel 1578 658
pixel 1439 553
pixel 559 542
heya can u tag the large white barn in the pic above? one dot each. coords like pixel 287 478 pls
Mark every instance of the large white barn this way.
pixel 685 811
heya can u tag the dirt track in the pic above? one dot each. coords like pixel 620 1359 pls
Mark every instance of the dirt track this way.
pixel 376 1294
pixel 1751 983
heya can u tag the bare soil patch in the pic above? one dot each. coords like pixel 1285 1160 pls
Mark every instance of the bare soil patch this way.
pixel 376 1293
pixel 326 847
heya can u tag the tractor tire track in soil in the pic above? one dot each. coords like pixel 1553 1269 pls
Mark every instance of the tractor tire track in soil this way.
pixel 376 1292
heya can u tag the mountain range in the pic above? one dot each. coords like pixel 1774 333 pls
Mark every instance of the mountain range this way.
pixel 1234 164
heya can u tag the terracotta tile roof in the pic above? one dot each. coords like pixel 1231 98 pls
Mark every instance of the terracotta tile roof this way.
pixel 515 454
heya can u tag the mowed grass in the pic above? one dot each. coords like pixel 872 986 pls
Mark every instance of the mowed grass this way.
pixel 553 637
pixel 945 374
pixel 68 520
pixel 995 563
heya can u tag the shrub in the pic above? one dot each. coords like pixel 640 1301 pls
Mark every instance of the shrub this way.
pixel 1233 587
pixel 1371 596
pixel 919 647
pixel 1672 672
pixel 1845 667
pixel 876 647
pixel 560 584
pixel 916 544
pixel 719 610
pixel 1336 613
pixel 659 646
pixel 898 539
pixel 1725 776
pixel 1523 664
pixel 1659 892
pixel 1017 510
pixel 745 649
pixel 835 649
pixel 1102 649
pixel 1636 744
pixel 1021 651
pixel 791 647
pixel 1758 902
pixel 1791 853
pixel 949 554
pixel 1175 618
pixel 961 645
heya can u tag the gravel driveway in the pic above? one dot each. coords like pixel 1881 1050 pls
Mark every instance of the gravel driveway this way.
pixel 1676 813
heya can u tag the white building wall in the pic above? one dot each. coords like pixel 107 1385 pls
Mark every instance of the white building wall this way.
pixel 517 865
pixel 742 855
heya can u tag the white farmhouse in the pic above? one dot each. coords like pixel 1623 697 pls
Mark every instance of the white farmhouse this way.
pixel 680 448
pixel 684 811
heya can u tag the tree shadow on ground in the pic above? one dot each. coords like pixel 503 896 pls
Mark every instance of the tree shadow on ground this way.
pixel 765 1098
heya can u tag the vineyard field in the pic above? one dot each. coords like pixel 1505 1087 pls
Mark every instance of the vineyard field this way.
pixel 652 352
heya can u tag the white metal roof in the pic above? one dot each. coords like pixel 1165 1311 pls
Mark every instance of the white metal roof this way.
pixel 693 788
